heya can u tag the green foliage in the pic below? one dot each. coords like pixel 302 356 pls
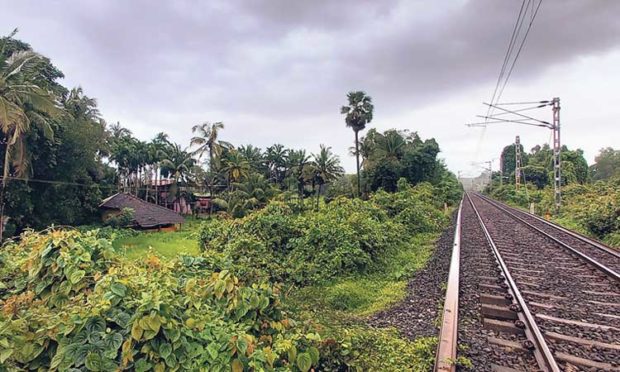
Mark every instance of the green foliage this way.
pixel 392 155
pixel 123 219
pixel 362 349
pixel 606 164
pixel 68 303
pixel 344 237
pixel 591 209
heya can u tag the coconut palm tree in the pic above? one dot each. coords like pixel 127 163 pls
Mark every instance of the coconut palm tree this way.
pixel 254 157
pixel 235 167
pixel 118 131
pixel 358 113
pixel 177 163
pixel 207 142
pixel 297 163
pixel 276 162
pixel 159 144
pixel 390 145
pixel 326 168
pixel 22 103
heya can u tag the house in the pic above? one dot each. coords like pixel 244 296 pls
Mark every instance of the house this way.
pixel 145 215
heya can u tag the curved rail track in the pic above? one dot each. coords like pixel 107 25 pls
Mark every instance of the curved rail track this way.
pixel 530 295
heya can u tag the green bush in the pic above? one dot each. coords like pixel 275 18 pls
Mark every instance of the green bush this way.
pixel 124 219
pixel 346 236
pixel 69 303
pixel 363 349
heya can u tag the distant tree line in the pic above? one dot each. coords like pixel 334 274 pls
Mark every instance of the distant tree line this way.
pixel 60 158
pixel 537 166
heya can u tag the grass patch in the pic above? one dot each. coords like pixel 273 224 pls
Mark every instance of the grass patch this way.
pixel 164 244
pixel 364 295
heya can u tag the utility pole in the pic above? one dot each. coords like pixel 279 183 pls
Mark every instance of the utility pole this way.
pixel 557 149
pixel 517 117
pixel 517 163
pixel 501 170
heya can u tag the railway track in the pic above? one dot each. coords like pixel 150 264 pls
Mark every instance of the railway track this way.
pixel 527 295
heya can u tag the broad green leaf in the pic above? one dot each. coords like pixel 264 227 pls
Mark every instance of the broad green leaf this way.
pixel 118 289
pixel 236 366
pixel 95 324
pixel 213 350
pixel 304 362
pixel 314 354
pixel 153 322
pixel 5 354
pixel 142 365
pixel 242 345
pixel 292 354
pixel 76 276
pixel 136 331
pixel 93 362
pixel 165 350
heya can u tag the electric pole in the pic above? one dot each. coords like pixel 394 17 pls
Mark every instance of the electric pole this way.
pixel 515 116
pixel 557 152
pixel 517 163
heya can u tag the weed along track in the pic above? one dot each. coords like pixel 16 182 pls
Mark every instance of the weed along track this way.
pixel 531 296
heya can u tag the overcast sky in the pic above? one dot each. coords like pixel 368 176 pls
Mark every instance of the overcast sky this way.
pixel 279 70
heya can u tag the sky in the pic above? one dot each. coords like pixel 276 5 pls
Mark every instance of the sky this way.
pixel 277 71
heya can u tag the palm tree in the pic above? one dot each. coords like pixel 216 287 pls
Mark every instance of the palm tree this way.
pixel 235 167
pixel 297 163
pixel 118 131
pixel 390 145
pixel 276 162
pixel 358 113
pixel 254 157
pixel 159 145
pixel 80 105
pixel 326 168
pixel 22 102
pixel 252 193
pixel 207 142
pixel 178 163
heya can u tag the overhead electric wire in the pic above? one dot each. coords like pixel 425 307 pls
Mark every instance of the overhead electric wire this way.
pixel 519 110
pixel 515 31
pixel 529 27
pixel 518 114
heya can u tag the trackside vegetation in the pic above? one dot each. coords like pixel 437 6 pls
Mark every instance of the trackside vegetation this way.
pixel 590 195
pixel 278 290
pixel 282 261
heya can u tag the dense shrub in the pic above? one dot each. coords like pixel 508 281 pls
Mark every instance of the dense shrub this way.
pixel 68 303
pixel 123 219
pixel 346 236
pixel 592 209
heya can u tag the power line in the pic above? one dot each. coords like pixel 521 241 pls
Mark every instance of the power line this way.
pixel 517 26
pixel 518 114
pixel 529 27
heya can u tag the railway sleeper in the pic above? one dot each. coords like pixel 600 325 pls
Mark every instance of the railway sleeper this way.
pixel 498 312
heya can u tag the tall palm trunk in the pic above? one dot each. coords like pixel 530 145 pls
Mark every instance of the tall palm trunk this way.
pixel 318 195
pixel 357 160
pixel 157 184
pixel 5 174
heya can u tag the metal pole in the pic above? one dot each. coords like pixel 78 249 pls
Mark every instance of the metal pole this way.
pixel 517 163
pixel 557 174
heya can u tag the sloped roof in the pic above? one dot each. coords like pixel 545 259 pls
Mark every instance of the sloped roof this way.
pixel 145 214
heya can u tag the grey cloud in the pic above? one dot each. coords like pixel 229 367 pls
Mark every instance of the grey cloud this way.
pixel 276 61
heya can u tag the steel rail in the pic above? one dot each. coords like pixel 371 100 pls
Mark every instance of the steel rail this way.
pixel 576 235
pixel 448 337
pixel 542 353
pixel 611 273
